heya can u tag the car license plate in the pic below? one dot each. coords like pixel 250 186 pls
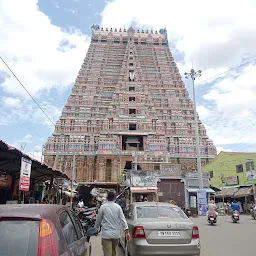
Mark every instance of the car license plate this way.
pixel 169 233
pixel 211 218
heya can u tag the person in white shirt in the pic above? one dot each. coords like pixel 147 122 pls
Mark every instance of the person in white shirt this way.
pixel 110 218
pixel 81 204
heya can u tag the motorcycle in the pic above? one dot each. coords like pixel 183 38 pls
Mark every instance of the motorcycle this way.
pixel 253 211
pixel 187 212
pixel 212 218
pixel 235 216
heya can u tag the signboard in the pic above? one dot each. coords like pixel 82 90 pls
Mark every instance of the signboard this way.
pixel 25 171
pixel 193 201
pixel 234 180
pixel 170 170
pixel 251 175
pixel 202 202
pixel 192 180
pixel 144 178
pixel 149 178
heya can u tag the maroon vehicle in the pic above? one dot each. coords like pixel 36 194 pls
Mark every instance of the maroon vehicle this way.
pixel 41 230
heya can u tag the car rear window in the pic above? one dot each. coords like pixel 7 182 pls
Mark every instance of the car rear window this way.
pixel 159 212
pixel 19 238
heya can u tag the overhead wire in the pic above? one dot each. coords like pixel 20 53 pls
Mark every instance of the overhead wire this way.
pixel 27 92
pixel 220 74
pixel 227 71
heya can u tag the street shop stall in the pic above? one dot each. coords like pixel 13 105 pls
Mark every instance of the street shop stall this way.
pixel 242 194
pixel 88 190
pixel 22 177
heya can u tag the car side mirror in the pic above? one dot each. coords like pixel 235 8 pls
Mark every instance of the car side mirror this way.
pixel 91 231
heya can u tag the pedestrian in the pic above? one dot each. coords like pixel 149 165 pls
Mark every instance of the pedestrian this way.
pixel 122 203
pixel 110 217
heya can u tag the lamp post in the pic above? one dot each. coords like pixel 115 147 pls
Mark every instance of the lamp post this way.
pixel 193 74
pixel 72 177
pixel 22 146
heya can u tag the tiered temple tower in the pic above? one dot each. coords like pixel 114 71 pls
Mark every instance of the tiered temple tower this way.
pixel 128 98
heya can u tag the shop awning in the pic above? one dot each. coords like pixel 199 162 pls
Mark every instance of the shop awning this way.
pixel 227 192
pixel 10 162
pixel 242 192
pixel 194 190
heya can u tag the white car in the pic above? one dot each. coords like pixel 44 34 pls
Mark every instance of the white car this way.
pixel 160 229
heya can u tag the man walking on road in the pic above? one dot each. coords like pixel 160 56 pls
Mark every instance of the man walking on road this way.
pixel 111 218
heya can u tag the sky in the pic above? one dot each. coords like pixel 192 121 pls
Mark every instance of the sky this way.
pixel 45 41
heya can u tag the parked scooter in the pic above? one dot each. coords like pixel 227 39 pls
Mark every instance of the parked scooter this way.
pixel 212 218
pixel 235 216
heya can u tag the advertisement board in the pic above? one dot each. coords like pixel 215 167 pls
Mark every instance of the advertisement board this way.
pixel 251 175
pixel 232 180
pixel 193 201
pixel 201 202
pixel 25 172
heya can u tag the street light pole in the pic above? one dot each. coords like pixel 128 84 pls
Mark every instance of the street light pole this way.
pixel 72 177
pixel 193 74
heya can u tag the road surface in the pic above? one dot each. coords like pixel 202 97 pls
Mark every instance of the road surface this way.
pixel 226 238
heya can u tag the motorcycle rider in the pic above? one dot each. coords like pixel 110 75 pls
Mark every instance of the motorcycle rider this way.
pixel 211 208
pixel 235 206
pixel 252 205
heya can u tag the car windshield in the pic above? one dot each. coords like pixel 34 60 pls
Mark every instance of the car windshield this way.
pixel 159 212
pixel 19 238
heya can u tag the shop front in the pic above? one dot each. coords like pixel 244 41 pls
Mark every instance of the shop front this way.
pixel 242 194
pixel 22 178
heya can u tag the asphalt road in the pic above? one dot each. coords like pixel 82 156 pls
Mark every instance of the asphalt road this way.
pixel 224 239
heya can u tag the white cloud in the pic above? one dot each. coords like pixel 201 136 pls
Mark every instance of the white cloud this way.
pixel 11 102
pixel 231 118
pixel 214 35
pixel 22 143
pixel 30 45
pixel 233 95
pixel 27 138
pixel 30 113
pixel 203 112
pixel 219 149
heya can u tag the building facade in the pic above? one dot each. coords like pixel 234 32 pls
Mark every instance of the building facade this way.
pixel 128 98
pixel 232 169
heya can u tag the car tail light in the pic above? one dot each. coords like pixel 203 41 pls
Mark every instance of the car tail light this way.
pixel 138 232
pixel 195 233
pixel 46 244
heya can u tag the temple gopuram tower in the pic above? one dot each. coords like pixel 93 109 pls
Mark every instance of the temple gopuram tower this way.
pixel 128 99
